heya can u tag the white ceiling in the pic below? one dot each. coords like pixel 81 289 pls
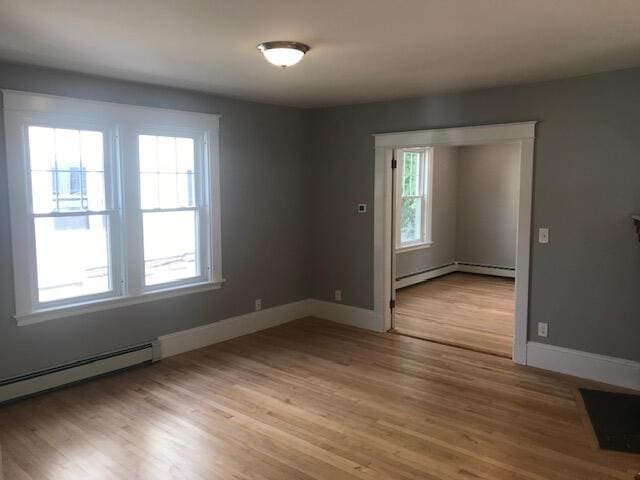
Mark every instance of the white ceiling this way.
pixel 361 50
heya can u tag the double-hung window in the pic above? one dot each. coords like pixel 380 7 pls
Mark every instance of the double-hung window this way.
pixel 72 211
pixel 110 204
pixel 170 202
pixel 413 198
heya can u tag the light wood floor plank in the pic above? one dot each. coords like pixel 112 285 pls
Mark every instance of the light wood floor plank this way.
pixel 312 400
pixel 460 309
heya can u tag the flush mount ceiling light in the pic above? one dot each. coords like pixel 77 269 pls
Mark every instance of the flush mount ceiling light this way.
pixel 283 53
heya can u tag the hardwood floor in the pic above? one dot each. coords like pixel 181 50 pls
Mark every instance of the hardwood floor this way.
pixel 312 400
pixel 460 309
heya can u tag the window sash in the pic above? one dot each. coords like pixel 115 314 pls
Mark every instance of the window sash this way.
pixel 113 261
pixel 419 176
pixel 202 269
pixel 109 161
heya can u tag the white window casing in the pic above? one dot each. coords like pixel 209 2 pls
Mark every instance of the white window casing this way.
pixel 120 126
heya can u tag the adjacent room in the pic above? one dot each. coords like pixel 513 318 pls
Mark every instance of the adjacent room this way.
pixel 455 248
pixel 338 239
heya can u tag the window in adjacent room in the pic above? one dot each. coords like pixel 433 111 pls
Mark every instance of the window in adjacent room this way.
pixel 110 204
pixel 413 198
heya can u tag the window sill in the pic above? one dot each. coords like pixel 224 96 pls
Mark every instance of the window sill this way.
pixel 111 303
pixel 410 248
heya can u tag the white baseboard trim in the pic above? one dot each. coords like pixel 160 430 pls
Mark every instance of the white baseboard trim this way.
pixel 424 276
pixel 72 374
pixel 483 270
pixel 192 339
pixel 346 314
pixel 600 368
pixel 216 332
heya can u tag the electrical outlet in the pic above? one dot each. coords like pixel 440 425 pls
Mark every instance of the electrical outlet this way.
pixel 258 304
pixel 543 329
pixel 338 295
pixel 543 235
pixel 362 208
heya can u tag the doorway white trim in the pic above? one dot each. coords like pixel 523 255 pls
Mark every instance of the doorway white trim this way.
pixel 522 133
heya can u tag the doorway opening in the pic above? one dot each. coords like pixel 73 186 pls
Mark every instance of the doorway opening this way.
pixel 452 235
pixel 456 216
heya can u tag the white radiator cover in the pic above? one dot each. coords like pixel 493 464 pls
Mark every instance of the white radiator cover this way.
pixel 54 378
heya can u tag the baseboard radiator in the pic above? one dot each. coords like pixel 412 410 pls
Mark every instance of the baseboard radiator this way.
pixel 486 269
pixel 52 378
pixel 435 272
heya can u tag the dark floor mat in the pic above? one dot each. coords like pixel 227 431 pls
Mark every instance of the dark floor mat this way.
pixel 615 418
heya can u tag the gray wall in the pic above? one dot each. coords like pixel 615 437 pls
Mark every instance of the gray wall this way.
pixel 586 282
pixel 443 250
pixel 488 191
pixel 265 224
pixel 291 180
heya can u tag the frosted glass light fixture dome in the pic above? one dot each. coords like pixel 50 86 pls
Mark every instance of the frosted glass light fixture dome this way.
pixel 283 53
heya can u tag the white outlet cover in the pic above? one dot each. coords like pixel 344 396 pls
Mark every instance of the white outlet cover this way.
pixel 543 329
pixel 338 295
pixel 258 304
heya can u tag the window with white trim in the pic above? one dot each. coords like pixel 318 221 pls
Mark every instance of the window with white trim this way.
pixel 413 198
pixel 110 204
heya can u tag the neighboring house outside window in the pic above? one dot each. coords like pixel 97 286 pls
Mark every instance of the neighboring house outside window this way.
pixel 111 204
pixel 413 198
pixel 69 189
